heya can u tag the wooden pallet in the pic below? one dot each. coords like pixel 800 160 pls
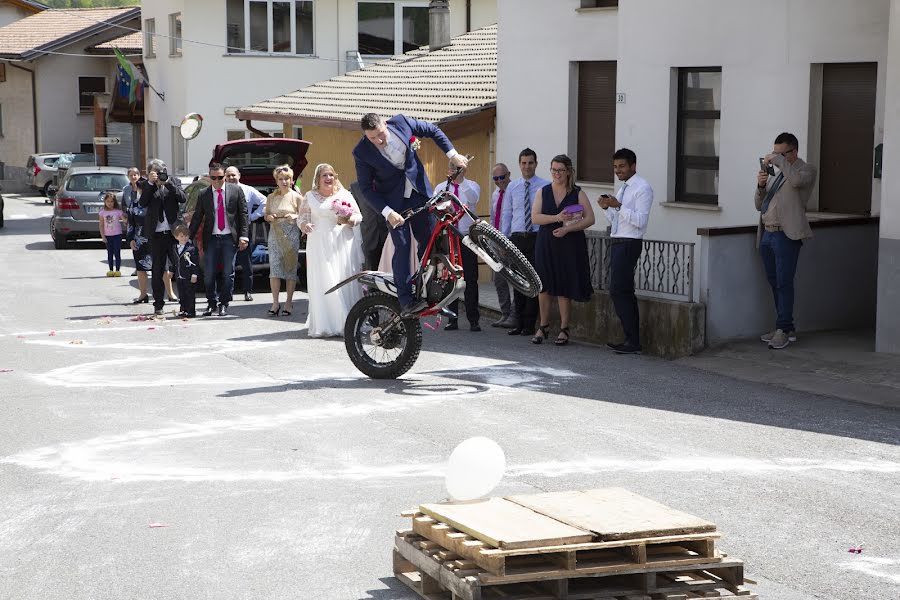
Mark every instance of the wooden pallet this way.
pixel 427 569
pixel 668 551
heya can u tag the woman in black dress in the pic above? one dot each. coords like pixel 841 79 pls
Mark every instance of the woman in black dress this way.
pixel 135 235
pixel 560 253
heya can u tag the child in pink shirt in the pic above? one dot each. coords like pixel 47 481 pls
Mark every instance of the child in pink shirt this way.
pixel 111 218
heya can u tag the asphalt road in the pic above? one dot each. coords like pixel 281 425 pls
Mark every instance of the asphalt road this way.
pixel 280 472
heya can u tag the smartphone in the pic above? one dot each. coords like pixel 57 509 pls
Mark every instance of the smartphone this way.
pixel 767 168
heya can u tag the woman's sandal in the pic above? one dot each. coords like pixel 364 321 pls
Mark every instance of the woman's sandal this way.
pixel 286 313
pixel 539 339
pixel 274 313
pixel 562 341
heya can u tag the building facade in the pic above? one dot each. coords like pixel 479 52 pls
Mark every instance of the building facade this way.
pixel 245 51
pixel 699 89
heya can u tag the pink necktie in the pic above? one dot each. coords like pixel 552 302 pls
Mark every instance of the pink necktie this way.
pixel 220 212
pixel 497 210
pixel 456 190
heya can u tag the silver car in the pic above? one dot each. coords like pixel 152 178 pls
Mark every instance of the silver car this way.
pixel 40 170
pixel 79 200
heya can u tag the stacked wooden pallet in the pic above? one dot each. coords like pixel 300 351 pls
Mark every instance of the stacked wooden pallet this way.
pixel 585 545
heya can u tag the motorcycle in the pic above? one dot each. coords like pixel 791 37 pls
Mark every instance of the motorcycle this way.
pixel 382 341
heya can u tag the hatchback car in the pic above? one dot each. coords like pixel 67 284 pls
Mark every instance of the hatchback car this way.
pixel 79 200
pixel 40 170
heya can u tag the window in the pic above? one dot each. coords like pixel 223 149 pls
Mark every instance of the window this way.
pixel 599 3
pixel 150 38
pixel 1 120
pixel 389 28
pixel 596 121
pixel 175 34
pixel 242 134
pixel 271 26
pixel 699 114
pixel 87 148
pixel 178 153
pixel 88 87
pixel 298 133
pixel 152 140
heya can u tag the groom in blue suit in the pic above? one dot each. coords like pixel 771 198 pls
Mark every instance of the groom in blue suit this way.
pixel 393 180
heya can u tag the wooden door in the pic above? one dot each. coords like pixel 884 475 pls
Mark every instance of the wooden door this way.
pixel 848 137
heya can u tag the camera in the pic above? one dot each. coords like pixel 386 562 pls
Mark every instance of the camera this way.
pixel 163 175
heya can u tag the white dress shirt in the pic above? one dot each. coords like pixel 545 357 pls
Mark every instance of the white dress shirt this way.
pixel 469 194
pixel 215 215
pixel 395 151
pixel 515 205
pixel 256 202
pixel 630 220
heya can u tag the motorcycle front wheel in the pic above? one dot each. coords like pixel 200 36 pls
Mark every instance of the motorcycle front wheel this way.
pixel 516 268
pixel 381 354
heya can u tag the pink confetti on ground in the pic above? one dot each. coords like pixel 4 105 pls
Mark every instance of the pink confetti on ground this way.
pixel 52 333
pixel 435 327
pixel 139 318
pixel 21 337
pixel 151 328
pixel 6 370
pixel 856 549
pixel 157 525
pixel 76 342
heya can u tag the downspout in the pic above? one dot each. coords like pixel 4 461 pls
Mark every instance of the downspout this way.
pixel 250 127
pixel 468 16
pixel 33 102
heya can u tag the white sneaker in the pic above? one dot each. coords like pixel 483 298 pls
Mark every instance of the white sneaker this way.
pixel 767 337
pixel 779 340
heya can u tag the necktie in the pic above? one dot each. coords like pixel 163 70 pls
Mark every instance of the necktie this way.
pixel 779 181
pixel 220 212
pixel 498 209
pixel 456 190
pixel 527 207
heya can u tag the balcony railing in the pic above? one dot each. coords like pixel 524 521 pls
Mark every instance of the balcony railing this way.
pixel 665 269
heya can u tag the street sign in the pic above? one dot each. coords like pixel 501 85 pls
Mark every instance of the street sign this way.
pixel 107 141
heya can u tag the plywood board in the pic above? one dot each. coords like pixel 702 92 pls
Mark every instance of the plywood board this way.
pixel 613 513
pixel 505 524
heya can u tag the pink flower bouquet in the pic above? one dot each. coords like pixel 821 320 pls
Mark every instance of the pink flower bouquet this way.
pixel 343 210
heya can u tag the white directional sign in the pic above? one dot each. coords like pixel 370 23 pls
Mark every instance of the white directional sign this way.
pixel 107 141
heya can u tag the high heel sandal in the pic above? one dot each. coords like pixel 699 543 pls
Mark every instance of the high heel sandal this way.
pixel 562 342
pixel 141 300
pixel 274 313
pixel 543 330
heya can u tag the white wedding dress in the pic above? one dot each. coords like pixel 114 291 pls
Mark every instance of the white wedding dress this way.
pixel 333 253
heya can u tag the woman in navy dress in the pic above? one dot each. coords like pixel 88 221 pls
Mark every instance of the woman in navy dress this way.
pixel 560 253
pixel 135 235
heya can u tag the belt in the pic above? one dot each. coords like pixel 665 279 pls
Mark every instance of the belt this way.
pixel 224 235
pixel 773 228
pixel 623 240
pixel 522 234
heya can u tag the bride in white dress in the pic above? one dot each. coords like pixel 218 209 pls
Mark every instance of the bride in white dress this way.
pixel 333 252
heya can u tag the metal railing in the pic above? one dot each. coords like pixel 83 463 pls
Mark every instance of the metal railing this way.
pixel 665 269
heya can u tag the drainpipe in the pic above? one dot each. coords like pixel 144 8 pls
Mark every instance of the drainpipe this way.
pixel 33 102
pixel 259 133
pixel 438 24
pixel 468 16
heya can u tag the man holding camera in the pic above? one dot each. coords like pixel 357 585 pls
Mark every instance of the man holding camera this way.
pixel 781 201
pixel 161 197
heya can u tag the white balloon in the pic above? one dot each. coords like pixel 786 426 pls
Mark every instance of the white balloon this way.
pixel 475 468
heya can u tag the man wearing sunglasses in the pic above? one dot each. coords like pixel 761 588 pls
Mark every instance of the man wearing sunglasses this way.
pixel 508 318
pixel 222 211
pixel 781 201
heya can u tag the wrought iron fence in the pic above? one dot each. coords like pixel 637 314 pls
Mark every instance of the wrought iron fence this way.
pixel 665 269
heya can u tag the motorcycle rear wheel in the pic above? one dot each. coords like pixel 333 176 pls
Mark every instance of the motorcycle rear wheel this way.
pixel 377 355
pixel 516 268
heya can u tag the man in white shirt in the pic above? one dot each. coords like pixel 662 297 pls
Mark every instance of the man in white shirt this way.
pixel 256 209
pixel 515 223
pixel 628 213
pixel 508 316
pixel 468 192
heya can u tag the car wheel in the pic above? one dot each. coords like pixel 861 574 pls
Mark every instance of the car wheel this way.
pixel 60 242
pixel 44 189
pixel 1 216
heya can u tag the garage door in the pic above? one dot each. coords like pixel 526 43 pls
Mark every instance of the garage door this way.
pixel 123 154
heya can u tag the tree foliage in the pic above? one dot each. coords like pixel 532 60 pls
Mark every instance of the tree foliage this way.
pixel 90 3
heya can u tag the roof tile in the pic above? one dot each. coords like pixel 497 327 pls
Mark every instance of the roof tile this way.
pixel 48 26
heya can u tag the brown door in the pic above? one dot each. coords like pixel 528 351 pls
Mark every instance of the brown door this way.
pixel 848 137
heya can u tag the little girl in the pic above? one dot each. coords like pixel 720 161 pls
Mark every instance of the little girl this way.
pixel 111 218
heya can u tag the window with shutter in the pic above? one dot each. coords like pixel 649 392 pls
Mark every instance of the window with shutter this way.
pixel 596 121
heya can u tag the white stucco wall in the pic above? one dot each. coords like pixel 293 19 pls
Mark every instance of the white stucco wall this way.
pixel 17 141
pixel 765 82
pixel 890 213
pixel 10 14
pixel 208 80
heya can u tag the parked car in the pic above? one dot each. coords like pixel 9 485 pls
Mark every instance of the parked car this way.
pixel 79 199
pixel 65 161
pixel 40 170
pixel 256 158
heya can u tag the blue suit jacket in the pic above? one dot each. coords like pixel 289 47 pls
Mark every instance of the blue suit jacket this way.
pixel 380 181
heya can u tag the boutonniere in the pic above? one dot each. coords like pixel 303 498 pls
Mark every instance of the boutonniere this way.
pixel 415 143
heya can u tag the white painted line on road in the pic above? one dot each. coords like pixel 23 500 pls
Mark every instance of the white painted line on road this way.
pixel 873 566
pixel 168 323
pixel 21 217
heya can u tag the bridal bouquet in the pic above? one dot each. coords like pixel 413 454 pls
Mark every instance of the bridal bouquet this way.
pixel 343 210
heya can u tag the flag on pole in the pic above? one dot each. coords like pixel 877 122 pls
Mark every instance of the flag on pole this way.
pixel 130 81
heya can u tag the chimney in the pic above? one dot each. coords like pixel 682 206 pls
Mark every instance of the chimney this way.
pixel 438 24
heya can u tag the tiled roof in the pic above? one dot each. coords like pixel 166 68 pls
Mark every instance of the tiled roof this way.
pixel 129 43
pixel 31 5
pixel 434 86
pixel 50 29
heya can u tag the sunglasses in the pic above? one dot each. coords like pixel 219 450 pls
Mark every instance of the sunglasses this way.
pixel 498 177
pixel 217 177
pixel 282 169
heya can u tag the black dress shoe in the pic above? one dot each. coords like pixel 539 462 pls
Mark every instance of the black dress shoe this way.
pixel 142 300
pixel 527 332
pixel 451 326
pixel 223 310
pixel 613 346
pixel 248 297
pixel 209 311
pixel 474 327
pixel 628 349
pixel 514 331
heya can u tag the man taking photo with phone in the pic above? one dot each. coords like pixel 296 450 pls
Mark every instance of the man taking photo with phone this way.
pixel 781 201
